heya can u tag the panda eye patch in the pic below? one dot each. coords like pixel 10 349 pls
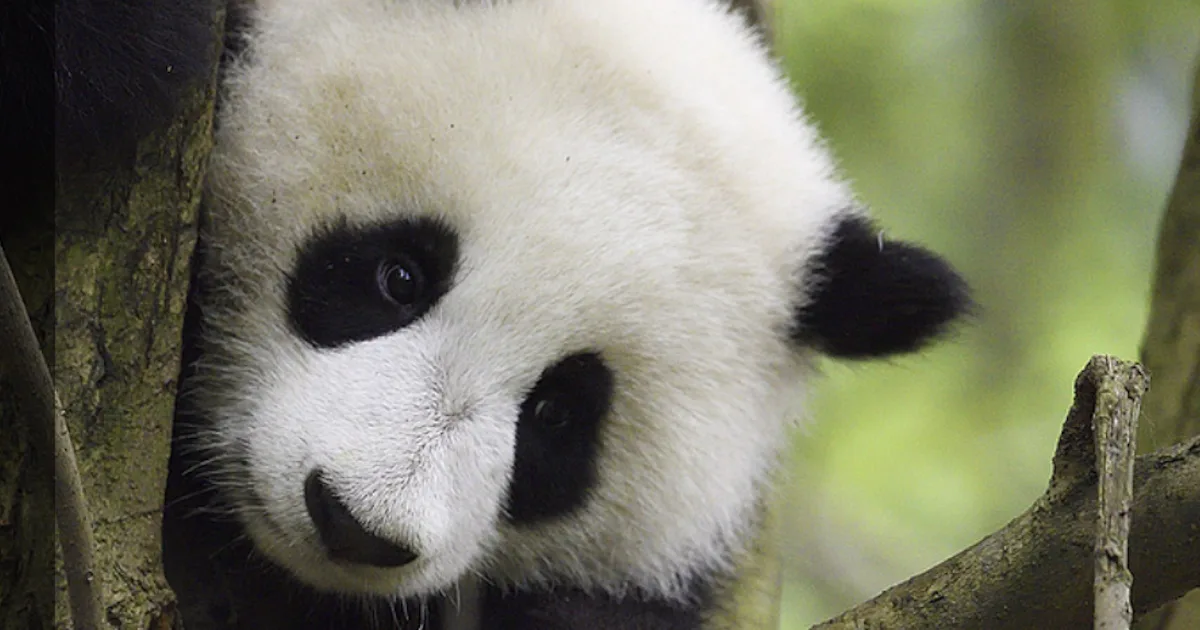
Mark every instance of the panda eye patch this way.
pixel 558 435
pixel 400 281
pixel 354 283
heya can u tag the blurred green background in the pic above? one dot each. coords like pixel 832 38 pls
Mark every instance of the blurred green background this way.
pixel 1034 144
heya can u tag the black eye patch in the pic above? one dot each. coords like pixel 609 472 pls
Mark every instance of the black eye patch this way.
pixel 557 436
pixel 354 283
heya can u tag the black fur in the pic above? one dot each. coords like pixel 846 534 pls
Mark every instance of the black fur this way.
pixel 557 436
pixel 121 65
pixel 333 291
pixel 875 297
pixel 571 609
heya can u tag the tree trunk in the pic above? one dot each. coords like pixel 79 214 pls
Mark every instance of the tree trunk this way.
pixel 1171 344
pixel 122 247
pixel 108 307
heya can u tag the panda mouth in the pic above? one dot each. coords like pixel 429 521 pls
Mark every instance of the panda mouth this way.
pixel 306 558
pixel 358 559
pixel 303 553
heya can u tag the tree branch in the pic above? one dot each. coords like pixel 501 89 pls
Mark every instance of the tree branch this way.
pixel 35 389
pixel 1036 571
pixel 1114 425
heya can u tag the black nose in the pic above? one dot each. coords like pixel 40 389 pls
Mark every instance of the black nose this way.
pixel 344 538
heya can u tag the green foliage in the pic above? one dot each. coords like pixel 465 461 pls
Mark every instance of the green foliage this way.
pixel 1034 144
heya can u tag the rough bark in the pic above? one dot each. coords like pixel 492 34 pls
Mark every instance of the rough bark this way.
pixel 122 245
pixel 1171 344
pixel 1114 425
pixel 74 526
pixel 1037 571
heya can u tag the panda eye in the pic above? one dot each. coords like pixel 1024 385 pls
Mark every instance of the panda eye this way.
pixel 400 281
pixel 551 414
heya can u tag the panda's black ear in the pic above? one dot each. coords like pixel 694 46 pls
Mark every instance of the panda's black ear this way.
pixel 868 297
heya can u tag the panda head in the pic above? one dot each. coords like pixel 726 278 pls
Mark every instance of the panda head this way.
pixel 524 289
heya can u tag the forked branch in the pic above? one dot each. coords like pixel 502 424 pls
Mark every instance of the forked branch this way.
pixel 1037 571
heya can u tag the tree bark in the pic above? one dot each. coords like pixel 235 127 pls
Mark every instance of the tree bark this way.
pixel 103 272
pixel 1171 344
pixel 1114 423
pixel 122 246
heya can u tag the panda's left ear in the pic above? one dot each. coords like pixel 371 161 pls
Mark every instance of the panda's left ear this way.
pixel 866 296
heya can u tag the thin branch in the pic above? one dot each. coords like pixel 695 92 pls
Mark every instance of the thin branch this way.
pixel 1114 425
pixel 34 389
pixel 1036 572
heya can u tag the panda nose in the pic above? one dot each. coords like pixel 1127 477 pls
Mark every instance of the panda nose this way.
pixel 343 536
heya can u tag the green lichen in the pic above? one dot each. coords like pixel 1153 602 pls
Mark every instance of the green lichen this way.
pixel 124 241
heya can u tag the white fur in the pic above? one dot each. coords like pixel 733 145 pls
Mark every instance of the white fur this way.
pixel 628 176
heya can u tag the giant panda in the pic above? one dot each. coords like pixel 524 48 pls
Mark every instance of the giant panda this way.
pixel 524 294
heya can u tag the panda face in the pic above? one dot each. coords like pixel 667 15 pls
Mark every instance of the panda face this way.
pixel 497 390
pixel 513 289
pixel 514 454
